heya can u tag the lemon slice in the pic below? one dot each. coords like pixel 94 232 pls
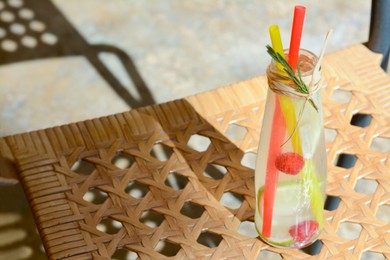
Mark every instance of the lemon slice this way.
pixel 276 242
pixel 291 200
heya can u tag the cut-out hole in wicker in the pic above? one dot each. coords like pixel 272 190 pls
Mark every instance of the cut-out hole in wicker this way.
pixel 167 248
pixel 136 189
pixel 215 171
pixel 346 160
pixel 341 96
pixel 249 160
pixel 151 218
pixel 83 167
pixel 266 254
pixel 349 230
pixel 124 254
pixel 380 144
pixel 383 212
pixel 236 132
pixel 366 186
pixel 209 239
pixel 330 135
pixel 361 120
pixel 369 255
pixel 109 225
pixel 161 152
pixel 176 181
pixel 313 249
pixel 95 196
pixel 199 143
pixel 231 200
pixel 122 160
pixel 247 228
pixel 331 203
pixel 192 210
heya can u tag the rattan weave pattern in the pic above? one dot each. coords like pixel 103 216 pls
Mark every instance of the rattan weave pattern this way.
pixel 49 162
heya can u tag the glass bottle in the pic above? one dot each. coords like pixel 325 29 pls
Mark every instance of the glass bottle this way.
pixel 290 173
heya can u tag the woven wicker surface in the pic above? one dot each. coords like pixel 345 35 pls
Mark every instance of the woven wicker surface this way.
pixel 159 181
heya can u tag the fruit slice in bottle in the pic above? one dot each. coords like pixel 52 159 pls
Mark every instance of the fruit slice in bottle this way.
pixel 277 230
pixel 290 202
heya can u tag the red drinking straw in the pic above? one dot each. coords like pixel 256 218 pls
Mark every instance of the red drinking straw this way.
pixel 276 140
pixel 296 34
pixel 279 123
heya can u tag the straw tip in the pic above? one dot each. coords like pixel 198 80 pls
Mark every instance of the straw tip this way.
pixel 300 8
pixel 274 28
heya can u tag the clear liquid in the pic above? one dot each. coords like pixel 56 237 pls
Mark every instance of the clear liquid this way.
pixel 296 200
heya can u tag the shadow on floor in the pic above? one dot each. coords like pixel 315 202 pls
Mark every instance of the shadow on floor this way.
pixel 19 238
pixel 31 30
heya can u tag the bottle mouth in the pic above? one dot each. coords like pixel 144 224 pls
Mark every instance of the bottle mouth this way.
pixel 307 60
pixel 306 63
pixel 279 79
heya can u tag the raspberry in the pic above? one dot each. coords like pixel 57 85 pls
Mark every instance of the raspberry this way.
pixel 304 231
pixel 289 163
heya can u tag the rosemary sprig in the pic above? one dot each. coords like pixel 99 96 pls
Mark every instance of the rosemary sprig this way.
pixel 299 84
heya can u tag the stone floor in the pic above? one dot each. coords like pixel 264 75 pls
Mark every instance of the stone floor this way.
pixel 178 48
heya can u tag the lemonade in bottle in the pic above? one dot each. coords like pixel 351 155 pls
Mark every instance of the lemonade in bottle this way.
pixel 291 166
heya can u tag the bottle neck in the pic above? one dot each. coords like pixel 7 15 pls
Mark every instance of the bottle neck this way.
pixel 282 84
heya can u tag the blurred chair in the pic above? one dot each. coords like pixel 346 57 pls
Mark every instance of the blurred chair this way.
pixel 32 30
pixel 379 36
pixel 379 42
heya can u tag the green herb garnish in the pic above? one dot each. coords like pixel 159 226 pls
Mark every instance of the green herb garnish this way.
pixel 299 84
